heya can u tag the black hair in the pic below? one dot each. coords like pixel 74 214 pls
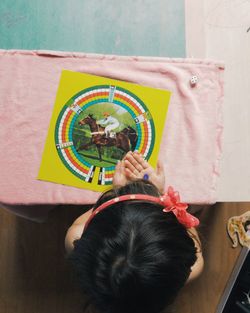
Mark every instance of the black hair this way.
pixel 133 257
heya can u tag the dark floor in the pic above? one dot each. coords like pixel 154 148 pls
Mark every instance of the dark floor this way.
pixel 35 276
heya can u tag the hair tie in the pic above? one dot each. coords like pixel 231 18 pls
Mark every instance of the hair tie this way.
pixel 171 201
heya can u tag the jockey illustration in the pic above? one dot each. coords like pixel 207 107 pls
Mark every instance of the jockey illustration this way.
pixel 111 122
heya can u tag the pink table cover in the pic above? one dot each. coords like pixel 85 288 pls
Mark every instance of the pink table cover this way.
pixel 192 138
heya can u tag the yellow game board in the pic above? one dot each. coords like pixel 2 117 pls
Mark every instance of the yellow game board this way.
pixel 95 122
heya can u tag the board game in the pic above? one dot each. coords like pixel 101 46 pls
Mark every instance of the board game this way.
pixel 95 122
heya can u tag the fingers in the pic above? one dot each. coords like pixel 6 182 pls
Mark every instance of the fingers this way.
pixel 118 166
pixel 119 178
pixel 139 159
pixel 136 162
pixel 130 166
pixel 135 167
pixel 130 158
pixel 130 174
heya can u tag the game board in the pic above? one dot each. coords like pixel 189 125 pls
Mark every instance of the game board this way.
pixel 80 151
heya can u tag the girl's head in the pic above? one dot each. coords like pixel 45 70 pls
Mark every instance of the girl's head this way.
pixel 133 257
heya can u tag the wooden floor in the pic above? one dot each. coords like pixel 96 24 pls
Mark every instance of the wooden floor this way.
pixel 35 276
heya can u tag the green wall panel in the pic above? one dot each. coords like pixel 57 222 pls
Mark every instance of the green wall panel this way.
pixel 147 28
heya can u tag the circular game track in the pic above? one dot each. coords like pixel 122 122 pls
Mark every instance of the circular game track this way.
pixel 75 162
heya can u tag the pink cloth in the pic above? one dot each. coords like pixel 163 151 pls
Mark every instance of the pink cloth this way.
pixel 191 145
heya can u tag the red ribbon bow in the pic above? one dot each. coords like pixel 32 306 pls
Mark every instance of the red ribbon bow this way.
pixel 171 201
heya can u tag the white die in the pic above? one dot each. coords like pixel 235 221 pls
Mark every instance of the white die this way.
pixel 193 80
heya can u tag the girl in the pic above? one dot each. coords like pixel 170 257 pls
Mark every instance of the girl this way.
pixel 137 247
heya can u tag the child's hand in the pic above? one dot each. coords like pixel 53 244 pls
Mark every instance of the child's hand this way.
pixel 137 168
pixel 120 178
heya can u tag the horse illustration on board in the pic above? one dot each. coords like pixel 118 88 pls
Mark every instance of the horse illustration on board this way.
pixel 124 140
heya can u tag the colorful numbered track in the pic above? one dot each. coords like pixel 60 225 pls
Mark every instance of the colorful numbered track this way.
pixel 75 162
